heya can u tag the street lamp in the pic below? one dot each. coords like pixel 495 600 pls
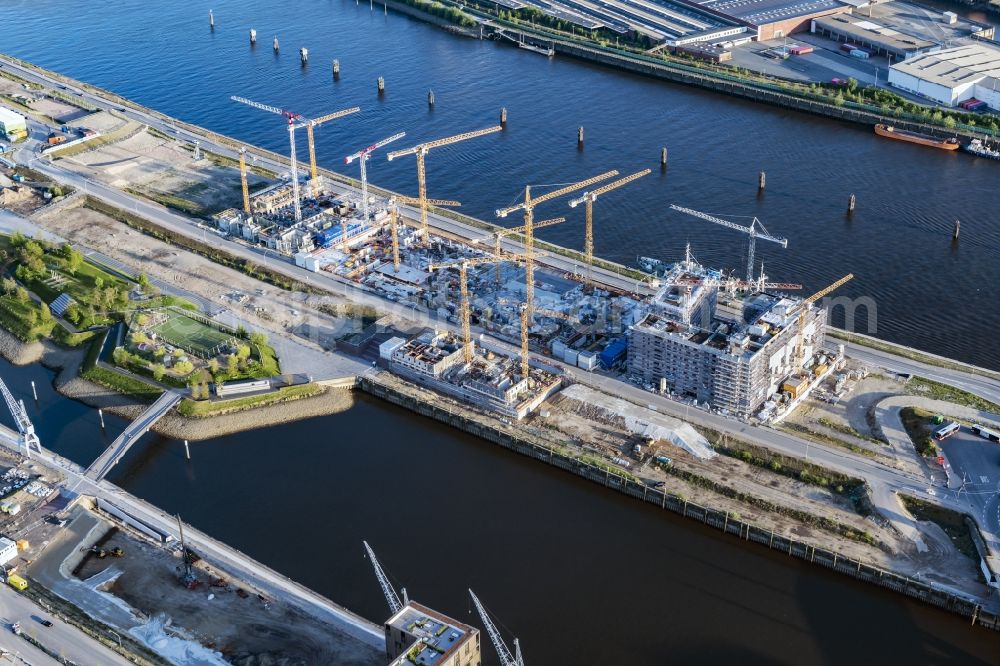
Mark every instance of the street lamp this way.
pixel 116 636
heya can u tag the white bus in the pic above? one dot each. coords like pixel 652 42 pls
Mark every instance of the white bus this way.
pixel 946 431
pixel 985 433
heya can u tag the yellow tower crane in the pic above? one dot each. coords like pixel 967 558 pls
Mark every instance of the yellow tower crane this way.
pixel 498 238
pixel 803 309
pixel 243 181
pixel 310 124
pixel 525 322
pixel 394 202
pixel 421 151
pixel 528 206
pixel 465 307
pixel 589 198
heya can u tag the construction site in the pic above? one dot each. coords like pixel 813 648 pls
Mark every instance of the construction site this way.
pixel 743 347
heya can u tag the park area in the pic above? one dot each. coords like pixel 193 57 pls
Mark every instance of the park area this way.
pixel 184 348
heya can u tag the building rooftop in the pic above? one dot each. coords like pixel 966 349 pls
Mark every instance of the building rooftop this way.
pixel 868 33
pixel 435 635
pixel 953 67
pixel 8 117
pixel 760 12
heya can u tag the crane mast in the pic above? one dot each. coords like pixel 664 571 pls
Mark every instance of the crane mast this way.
pixel 420 151
pixel 243 181
pixel 528 206
pixel 589 198
pixel 362 155
pixel 803 309
pixel 506 657
pixel 296 121
pixel 516 230
pixel 394 203
pixel 751 231
pixel 465 305
pixel 391 598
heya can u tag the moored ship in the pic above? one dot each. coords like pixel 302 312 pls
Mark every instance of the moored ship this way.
pixel 981 149
pixel 891 132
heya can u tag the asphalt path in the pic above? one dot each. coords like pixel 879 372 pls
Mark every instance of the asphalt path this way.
pixel 62 638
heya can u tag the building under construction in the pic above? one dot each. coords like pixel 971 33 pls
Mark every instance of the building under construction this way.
pixel 491 380
pixel 730 348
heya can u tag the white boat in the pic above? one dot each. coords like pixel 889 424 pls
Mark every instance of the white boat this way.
pixel 980 149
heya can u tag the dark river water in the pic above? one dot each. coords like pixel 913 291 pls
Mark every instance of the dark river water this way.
pixel 580 574
pixel 929 293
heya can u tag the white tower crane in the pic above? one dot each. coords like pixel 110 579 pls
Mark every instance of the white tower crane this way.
pixel 391 598
pixel 755 230
pixel 506 657
pixel 363 156
pixel 294 124
pixel 24 424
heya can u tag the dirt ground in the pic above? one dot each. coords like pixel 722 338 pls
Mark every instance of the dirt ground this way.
pixel 261 306
pixel 157 166
pixel 943 563
pixel 234 621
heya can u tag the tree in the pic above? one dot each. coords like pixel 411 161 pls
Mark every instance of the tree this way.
pixel 9 286
pixel 204 388
pixel 98 283
pixel 183 367
pixel 949 122
pixel 258 339
pixel 120 356
pixel 193 387
pixel 72 313
pixel 143 281
pixel 73 260
pixel 158 371
pixel 231 364
pixel 142 319
pixel 213 366
pixel 44 313
pixel 139 338
pixel 243 352
pixel 241 332
pixel 21 294
pixel 17 239
pixel 178 353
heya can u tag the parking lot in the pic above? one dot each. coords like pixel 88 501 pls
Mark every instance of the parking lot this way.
pixel 977 458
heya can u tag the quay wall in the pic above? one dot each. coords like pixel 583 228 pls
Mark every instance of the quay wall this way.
pixel 721 520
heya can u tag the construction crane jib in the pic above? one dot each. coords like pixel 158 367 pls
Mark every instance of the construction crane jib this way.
pixel 465 305
pixel 362 155
pixel 421 151
pixel 755 230
pixel 528 206
pixel 391 598
pixel 24 425
pixel 804 308
pixel 296 121
pixel 507 658
pixel 395 201
pixel 589 198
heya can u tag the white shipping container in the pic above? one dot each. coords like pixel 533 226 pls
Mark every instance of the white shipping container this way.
pixel 571 356
pixel 587 360
pixel 857 53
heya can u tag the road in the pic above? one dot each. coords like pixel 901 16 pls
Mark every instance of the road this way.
pixel 600 275
pixel 61 637
pixel 884 479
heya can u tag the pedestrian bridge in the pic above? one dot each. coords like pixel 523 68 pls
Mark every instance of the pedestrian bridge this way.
pixel 107 460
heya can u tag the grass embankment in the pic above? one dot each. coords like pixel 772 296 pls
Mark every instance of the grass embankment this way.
pixel 216 255
pixel 847 430
pixel 811 519
pixel 122 383
pixel 202 408
pixel 796 468
pixel 938 391
pixel 952 522
pixel 906 352
pixel 917 423
pixel 172 201
pixel 823 438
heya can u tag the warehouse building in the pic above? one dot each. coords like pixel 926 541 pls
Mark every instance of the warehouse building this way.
pixel 728 351
pixel 12 125
pixel 880 39
pixel 952 76
pixel 774 19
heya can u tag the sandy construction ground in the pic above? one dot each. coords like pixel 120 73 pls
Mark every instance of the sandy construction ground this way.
pixel 154 166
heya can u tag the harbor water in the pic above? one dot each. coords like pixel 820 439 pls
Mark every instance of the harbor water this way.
pixel 930 293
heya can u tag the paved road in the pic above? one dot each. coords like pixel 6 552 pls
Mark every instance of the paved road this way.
pixel 62 638
pixel 435 220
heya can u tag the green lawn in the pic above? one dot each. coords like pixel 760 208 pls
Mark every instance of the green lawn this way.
pixel 187 333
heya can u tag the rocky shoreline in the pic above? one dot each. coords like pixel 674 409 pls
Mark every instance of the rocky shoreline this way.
pixel 67 362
